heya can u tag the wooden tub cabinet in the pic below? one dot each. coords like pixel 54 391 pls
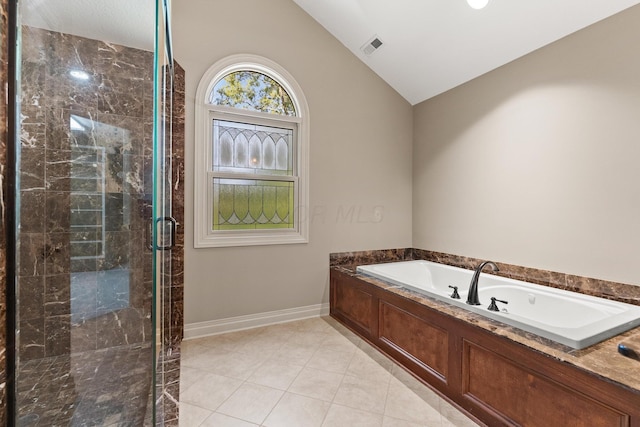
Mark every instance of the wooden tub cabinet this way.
pixel 493 379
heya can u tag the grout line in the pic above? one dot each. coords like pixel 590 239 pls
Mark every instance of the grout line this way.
pixel 287 337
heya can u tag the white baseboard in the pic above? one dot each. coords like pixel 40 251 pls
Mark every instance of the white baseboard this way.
pixel 231 324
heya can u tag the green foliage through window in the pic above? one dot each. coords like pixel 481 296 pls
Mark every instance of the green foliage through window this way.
pixel 253 91
pixel 252 204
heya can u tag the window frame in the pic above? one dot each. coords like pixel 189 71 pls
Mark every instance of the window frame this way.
pixel 204 235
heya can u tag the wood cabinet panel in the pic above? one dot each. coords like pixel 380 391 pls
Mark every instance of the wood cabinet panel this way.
pixel 417 339
pixel 352 300
pixel 526 398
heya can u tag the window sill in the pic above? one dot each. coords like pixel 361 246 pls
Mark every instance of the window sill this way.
pixel 253 239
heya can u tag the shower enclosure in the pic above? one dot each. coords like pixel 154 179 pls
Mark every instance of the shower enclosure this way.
pixel 97 269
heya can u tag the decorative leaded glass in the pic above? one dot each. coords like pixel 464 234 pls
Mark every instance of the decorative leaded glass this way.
pixel 250 90
pixel 242 204
pixel 266 152
pixel 255 149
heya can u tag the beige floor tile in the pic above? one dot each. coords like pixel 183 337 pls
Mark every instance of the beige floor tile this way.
pixel 452 417
pixel 200 357
pixel 316 384
pixel 297 411
pixel 192 416
pixel 270 359
pixel 317 324
pixel 276 374
pixel 188 376
pixel 342 416
pixel 308 338
pixel 251 402
pixel 294 353
pixel 360 393
pixel 376 356
pixel 406 404
pixel 395 422
pixel 190 348
pixel 339 342
pixel 279 331
pixel 228 342
pixel 330 360
pixel 423 391
pixel 364 366
pixel 210 391
pixel 221 420
pixel 265 345
pixel 230 364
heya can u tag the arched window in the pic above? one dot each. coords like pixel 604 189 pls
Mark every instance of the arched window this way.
pixel 251 156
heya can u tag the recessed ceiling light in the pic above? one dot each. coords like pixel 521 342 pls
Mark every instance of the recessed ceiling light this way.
pixel 478 4
pixel 79 74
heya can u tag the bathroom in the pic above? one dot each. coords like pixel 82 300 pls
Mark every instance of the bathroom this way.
pixel 532 164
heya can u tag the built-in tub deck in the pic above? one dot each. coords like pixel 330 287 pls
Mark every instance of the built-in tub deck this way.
pixel 569 318
pixel 601 359
pixel 499 375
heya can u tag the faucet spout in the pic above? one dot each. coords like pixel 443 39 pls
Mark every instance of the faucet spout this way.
pixel 472 297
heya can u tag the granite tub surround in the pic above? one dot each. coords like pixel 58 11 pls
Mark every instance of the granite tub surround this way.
pixel 622 292
pixel 353 259
pixel 601 360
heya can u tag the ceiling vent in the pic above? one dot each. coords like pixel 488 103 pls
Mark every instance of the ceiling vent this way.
pixel 371 46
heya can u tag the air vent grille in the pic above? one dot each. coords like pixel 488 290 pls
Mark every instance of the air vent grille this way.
pixel 371 46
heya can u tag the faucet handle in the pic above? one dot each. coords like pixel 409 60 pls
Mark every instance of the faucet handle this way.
pixel 455 294
pixel 493 306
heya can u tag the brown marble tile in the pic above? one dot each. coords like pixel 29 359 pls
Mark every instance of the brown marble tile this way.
pixel 31 338
pixel 32 211
pixel 68 309
pixel 87 388
pixel 57 339
pixel 57 295
pixel 57 253
pixel 31 290
pixel 119 95
pixel 114 59
pixel 32 169
pixel 31 254
pixel 369 257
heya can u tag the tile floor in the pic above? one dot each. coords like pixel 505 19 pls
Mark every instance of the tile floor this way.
pixel 312 372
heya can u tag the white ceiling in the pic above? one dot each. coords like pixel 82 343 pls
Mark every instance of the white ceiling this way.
pixel 431 46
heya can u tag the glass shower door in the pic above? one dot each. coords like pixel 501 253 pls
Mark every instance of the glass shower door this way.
pixel 92 242
pixel 164 226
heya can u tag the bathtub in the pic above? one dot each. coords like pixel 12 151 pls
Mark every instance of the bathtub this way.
pixel 570 318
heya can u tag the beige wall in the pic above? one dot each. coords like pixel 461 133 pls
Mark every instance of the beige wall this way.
pixel 360 151
pixel 538 163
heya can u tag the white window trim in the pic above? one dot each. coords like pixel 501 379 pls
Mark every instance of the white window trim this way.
pixel 203 192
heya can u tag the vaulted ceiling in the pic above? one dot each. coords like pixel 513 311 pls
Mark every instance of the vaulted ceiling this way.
pixel 431 46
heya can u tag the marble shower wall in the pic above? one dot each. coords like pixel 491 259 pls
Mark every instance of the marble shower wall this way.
pixel 3 204
pixel 84 267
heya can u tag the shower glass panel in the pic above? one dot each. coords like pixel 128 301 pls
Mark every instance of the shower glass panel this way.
pixel 87 266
